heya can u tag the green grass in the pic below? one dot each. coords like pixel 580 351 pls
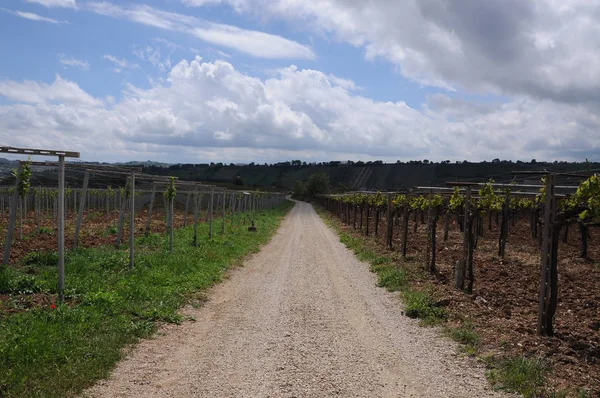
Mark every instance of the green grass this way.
pixel 466 335
pixel 419 304
pixel 393 274
pixel 522 375
pixel 47 352
pixel 390 276
pixel 46 230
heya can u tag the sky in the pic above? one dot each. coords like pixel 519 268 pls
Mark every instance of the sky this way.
pixel 198 81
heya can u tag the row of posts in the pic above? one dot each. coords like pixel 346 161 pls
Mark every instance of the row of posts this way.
pixel 548 291
pixel 248 202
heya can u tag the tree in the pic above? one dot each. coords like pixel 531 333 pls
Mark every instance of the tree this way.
pixel 299 191
pixel 317 184
pixel 237 180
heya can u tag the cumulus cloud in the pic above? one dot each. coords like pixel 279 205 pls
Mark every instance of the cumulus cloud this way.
pixel 257 44
pixel 211 110
pixel 61 91
pixel 546 49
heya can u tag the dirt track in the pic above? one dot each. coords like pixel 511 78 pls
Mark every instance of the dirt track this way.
pixel 302 318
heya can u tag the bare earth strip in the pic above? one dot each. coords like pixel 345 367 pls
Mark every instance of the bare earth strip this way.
pixel 302 318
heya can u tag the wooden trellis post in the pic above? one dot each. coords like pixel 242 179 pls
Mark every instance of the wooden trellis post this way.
pixel 223 213
pixel 210 225
pixel 405 217
pixel 171 224
pixel 197 205
pixel 61 228
pixel 548 296
pixel 121 216
pixel 12 218
pixel 132 223
pixel 61 207
pixel 504 226
pixel 461 265
pixel 152 195
pixel 82 199
pixel 390 223
pixel 187 206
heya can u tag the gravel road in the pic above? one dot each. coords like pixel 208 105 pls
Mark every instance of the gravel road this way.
pixel 302 318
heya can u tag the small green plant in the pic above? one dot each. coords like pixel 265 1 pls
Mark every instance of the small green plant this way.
pixel 467 335
pixel 522 375
pixel 420 305
pixel 41 259
pixel 24 176
pixel 45 231
pixel 171 190
pixel 12 283
pixel 390 276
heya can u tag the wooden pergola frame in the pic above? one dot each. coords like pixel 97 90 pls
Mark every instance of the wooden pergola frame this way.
pixel 61 207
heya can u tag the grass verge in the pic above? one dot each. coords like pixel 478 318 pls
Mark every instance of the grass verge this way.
pixel 56 351
pixel 525 376
pixel 466 335
pixel 393 272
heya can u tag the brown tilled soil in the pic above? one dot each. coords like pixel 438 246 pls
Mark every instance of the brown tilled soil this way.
pixel 504 303
pixel 302 318
pixel 98 229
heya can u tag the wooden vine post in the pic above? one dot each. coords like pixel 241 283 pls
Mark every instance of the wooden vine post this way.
pixel 210 212
pixel 12 217
pixel 170 195
pixel 122 196
pixel 152 195
pixel 187 206
pixel 390 222
pixel 223 212
pixel 548 296
pixel 461 266
pixel 82 198
pixel 132 223
pixel 197 202
pixel 61 229
pixel 504 226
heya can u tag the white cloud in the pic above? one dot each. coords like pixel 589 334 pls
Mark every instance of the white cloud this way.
pixel 153 55
pixel 55 3
pixel 218 53
pixel 211 111
pixel 121 63
pixel 61 91
pixel 74 62
pixel 33 17
pixel 257 44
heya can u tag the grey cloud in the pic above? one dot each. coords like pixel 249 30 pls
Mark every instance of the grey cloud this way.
pixel 546 49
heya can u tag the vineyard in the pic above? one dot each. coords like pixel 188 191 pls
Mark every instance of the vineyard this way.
pixel 92 264
pixel 519 262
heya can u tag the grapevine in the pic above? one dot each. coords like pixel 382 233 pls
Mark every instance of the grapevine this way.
pixel 24 177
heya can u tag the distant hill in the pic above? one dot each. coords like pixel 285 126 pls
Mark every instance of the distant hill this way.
pixel 343 175
pixel 359 175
